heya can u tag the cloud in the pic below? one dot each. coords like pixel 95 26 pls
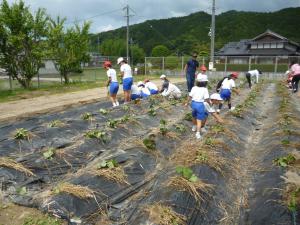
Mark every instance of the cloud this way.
pixel 109 14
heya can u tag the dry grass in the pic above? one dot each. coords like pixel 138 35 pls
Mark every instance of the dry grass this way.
pixel 116 174
pixel 182 184
pixel 9 163
pixel 75 190
pixel 292 178
pixel 164 215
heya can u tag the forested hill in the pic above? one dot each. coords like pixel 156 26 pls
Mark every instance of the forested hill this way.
pixel 184 34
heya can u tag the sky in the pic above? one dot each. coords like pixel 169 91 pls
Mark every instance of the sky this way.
pixel 109 14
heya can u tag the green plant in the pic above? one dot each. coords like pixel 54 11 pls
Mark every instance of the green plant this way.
pixel 21 191
pixel 163 127
pixel 46 220
pixel 126 108
pixel 180 128
pixel 285 160
pixel 112 123
pixel 188 116
pixel 152 112
pixel 21 134
pixel 103 111
pixel 56 123
pixel 149 143
pixel 108 164
pixel 101 135
pixel 87 116
pixel 186 173
pixel 285 142
pixel 217 128
pixel 49 153
pixel 292 205
pixel 124 119
pixel 202 157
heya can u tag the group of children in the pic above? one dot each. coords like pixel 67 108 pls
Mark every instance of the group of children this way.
pixel 293 76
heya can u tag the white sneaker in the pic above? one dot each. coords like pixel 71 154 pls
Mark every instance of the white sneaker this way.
pixel 194 128
pixel 114 105
pixel 218 111
pixel 203 130
pixel 198 135
pixel 232 108
pixel 117 103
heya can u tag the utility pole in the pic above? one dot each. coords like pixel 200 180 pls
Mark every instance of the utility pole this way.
pixel 212 45
pixel 127 35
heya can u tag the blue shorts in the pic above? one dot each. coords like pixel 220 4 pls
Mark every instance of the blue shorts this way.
pixel 145 95
pixel 135 96
pixel 198 110
pixel 113 88
pixel 127 83
pixel 225 94
pixel 153 92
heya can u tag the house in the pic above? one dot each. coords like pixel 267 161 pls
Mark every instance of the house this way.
pixel 262 47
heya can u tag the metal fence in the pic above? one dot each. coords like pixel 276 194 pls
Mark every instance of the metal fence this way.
pixel 175 65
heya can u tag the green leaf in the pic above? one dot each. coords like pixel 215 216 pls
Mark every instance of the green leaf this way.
pixel 193 178
pixel 22 191
pixel 179 169
pixel 103 164
pixel 187 173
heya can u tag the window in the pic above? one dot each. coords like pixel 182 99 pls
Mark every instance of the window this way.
pixel 267 45
pixel 273 45
pixel 254 46
pixel 260 45
pixel 279 45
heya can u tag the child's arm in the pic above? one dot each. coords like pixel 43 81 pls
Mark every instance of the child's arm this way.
pixel 217 117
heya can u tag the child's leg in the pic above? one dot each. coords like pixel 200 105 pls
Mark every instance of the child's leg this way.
pixel 229 103
pixel 199 122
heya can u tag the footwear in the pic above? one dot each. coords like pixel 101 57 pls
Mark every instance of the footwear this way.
pixel 114 105
pixel 198 135
pixel 117 103
pixel 194 128
pixel 203 130
pixel 218 111
pixel 232 108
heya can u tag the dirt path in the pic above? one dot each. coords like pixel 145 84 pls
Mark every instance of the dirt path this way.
pixel 28 107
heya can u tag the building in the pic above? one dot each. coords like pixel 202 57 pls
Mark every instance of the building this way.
pixel 262 47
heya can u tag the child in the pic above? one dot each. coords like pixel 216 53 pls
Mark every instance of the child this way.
pixel 145 93
pixel 227 86
pixel 202 73
pixel 168 89
pixel 112 82
pixel 252 73
pixel 199 94
pixel 151 86
pixel 126 75
pixel 135 92
pixel 215 100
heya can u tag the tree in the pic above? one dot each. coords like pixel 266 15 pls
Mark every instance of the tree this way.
pixel 160 51
pixel 137 54
pixel 68 47
pixel 113 47
pixel 22 41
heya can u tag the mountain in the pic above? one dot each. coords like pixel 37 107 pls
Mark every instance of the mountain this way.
pixel 185 34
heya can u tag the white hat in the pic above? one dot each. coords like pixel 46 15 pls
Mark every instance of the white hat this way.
pixel 202 78
pixel 163 76
pixel 140 83
pixel 216 96
pixel 121 59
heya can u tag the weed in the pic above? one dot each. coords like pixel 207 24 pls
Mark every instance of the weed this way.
pixel 180 128
pixel 112 123
pixel 103 111
pixel 101 135
pixel 56 123
pixel 49 154
pixel 76 190
pixel 149 143
pixel 188 117
pixel 164 215
pixel 152 112
pixel 285 160
pixel 22 134
pixel 293 205
pixel 87 116
pixel 9 163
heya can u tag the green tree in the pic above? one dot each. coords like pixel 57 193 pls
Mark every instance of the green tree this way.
pixel 68 47
pixel 113 47
pixel 22 41
pixel 160 51
pixel 137 54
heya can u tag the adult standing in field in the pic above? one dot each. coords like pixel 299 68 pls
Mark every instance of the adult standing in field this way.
pixel 295 72
pixel 126 74
pixel 190 70
pixel 252 73
pixel 112 82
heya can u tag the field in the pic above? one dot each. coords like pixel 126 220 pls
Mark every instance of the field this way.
pixel 140 163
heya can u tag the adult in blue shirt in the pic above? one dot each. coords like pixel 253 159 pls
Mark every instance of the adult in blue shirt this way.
pixel 190 70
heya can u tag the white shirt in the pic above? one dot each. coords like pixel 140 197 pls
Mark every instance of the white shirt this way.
pixel 172 89
pixel 135 90
pixel 210 108
pixel 126 69
pixel 254 73
pixel 145 90
pixel 228 84
pixel 201 76
pixel 199 94
pixel 151 86
pixel 111 73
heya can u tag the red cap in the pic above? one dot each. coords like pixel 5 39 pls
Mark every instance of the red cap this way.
pixel 107 64
pixel 146 80
pixel 235 74
pixel 203 68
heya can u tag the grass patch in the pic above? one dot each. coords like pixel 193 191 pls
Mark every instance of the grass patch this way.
pixel 47 220
pixel 9 163
pixel 164 215
pixel 75 190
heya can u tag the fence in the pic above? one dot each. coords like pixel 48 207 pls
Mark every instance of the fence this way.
pixel 175 65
